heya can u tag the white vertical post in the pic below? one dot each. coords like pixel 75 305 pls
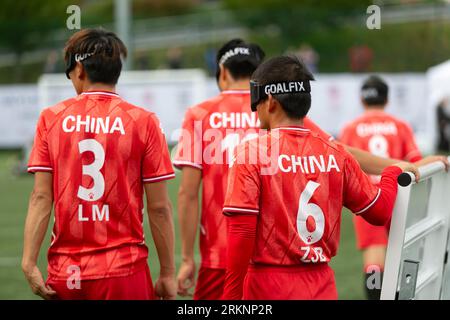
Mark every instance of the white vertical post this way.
pixel 395 249
pixel 123 17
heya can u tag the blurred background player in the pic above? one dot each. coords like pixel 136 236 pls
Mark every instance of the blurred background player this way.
pixel 286 224
pixel 93 156
pixel 385 136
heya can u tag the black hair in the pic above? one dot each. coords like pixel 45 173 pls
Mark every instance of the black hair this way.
pixel 103 52
pixel 374 91
pixel 285 69
pixel 240 66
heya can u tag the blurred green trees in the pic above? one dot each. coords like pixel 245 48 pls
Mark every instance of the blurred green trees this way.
pixel 333 27
pixel 24 25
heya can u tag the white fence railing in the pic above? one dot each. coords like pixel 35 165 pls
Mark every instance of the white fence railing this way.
pixel 416 259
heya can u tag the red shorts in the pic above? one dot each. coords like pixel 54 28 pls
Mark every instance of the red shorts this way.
pixel 137 286
pixel 210 283
pixel 369 235
pixel 308 282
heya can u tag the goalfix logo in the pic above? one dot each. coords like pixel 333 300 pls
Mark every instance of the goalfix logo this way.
pixel 74 280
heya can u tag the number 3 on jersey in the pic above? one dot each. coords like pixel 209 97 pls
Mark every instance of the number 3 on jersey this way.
pixel 92 170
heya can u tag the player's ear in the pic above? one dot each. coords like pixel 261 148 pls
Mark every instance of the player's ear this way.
pixel 80 72
pixel 223 73
pixel 362 102
pixel 272 104
pixel 222 78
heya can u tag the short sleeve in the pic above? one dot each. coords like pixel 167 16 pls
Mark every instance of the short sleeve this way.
pixel 156 164
pixel 39 160
pixel 309 124
pixel 410 150
pixel 244 186
pixel 189 149
pixel 359 193
pixel 345 136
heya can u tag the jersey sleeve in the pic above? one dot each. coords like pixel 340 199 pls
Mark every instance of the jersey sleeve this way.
pixel 189 148
pixel 39 160
pixel 309 124
pixel 410 150
pixel 156 164
pixel 345 135
pixel 359 193
pixel 244 186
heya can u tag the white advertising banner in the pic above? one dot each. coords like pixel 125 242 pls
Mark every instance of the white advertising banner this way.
pixel 336 101
pixel 168 93
pixel 19 110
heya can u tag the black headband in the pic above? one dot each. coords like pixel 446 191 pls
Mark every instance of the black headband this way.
pixel 368 93
pixel 243 51
pixel 73 59
pixel 260 92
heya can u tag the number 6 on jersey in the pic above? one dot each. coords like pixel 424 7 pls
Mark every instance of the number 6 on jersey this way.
pixel 308 215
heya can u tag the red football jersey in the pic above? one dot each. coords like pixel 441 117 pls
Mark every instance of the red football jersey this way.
pixel 210 133
pixel 298 195
pixel 382 135
pixel 100 150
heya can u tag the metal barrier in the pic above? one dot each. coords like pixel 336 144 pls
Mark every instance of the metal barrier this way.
pixel 416 259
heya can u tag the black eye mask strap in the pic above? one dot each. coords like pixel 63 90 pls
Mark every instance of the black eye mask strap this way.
pixel 73 59
pixel 260 92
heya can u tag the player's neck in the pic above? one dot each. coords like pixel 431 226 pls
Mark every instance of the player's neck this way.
pixel 286 122
pixel 374 109
pixel 239 85
pixel 99 87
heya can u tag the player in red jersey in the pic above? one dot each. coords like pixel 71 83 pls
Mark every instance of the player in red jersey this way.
pixel 284 214
pixel 386 136
pixel 211 131
pixel 220 124
pixel 93 156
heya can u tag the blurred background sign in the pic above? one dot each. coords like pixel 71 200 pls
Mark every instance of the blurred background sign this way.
pixel 168 93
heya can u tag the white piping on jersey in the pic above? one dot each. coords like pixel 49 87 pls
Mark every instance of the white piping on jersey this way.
pixel 236 92
pixel 293 129
pixel 40 168
pixel 54 239
pixel 188 163
pixel 101 93
pixel 370 204
pixel 239 209
pixel 172 175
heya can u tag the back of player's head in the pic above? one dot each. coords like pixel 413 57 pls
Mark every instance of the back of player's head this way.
pixel 374 91
pixel 99 51
pixel 240 58
pixel 284 71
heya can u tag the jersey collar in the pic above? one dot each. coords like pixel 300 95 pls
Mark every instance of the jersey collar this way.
pixel 375 111
pixel 100 92
pixel 236 91
pixel 292 128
